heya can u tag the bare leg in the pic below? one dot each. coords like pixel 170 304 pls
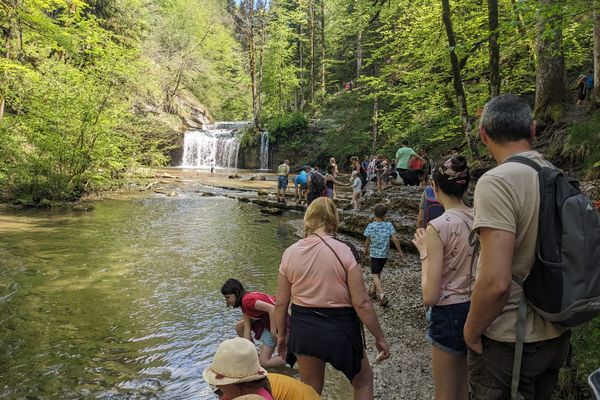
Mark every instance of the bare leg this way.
pixel 449 376
pixel 266 361
pixel 377 285
pixel 312 371
pixel 239 328
pixel 363 382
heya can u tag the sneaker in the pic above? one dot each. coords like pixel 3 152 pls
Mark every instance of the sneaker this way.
pixel 384 301
pixel 372 293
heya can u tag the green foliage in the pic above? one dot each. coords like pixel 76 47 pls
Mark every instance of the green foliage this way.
pixel 581 145
pixel 572 383
pixel 290 127
pixel 85 86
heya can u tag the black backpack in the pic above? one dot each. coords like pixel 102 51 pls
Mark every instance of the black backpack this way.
pixel 432 208
pixel 564 283
pixel 317 180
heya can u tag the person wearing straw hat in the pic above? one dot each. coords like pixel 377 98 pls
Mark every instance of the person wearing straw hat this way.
pixel 235 371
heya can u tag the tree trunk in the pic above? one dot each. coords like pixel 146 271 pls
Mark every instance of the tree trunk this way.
pixel 494 49
pixel 461 98
pixel 551 93
pixel 359 54
pixel 596 92
pixel 252 60
pixel 311 12
pixel 374 130
pixel 323 48
pixel 300 90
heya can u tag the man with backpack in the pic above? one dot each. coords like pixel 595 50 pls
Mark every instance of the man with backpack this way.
pixel 316 185
pixel 507 208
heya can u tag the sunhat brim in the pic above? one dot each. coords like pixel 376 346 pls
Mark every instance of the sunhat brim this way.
pixel 215 379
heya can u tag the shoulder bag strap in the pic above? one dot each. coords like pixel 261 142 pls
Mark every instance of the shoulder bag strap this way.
pixel 336 256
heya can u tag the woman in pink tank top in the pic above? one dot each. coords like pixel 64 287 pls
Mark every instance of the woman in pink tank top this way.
pixel 447 277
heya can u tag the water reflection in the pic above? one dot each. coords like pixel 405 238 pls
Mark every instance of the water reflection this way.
pixel 124 302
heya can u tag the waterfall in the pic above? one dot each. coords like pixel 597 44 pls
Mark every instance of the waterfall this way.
pixel 264 150
pixel 213 142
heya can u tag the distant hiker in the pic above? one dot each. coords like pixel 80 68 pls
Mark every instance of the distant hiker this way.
pixel 212 167
pixel 336 172
pixel 377 245
pixel 507 204
pixel 356 189
pixel 316 185
pixel 403 156
pixel 322 277
pixel 448 273
pixel 258 312
pixel 300 185
pixel 580 89
pixel 589 84
pixel 330 181
pixel 236 373
pixel 283 170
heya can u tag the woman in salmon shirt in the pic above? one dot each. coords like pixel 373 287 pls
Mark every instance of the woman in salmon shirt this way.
pixel 323 279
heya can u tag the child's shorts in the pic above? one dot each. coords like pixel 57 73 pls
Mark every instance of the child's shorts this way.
pixel 446 325
pixel 377 265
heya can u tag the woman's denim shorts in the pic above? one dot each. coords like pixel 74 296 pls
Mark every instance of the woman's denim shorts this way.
pixel 446 325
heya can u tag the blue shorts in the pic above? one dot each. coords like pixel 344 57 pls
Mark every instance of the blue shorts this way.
pixel 267 339
pixel 330 193
pixel 446 325
pixel 282 182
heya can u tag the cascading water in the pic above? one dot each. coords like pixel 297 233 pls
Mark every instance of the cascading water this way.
pixel 214 142
pixel 264 150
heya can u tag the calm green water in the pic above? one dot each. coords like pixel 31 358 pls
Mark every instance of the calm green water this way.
pixel 123 302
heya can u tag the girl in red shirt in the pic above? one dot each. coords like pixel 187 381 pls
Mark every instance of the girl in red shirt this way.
pixel 258 312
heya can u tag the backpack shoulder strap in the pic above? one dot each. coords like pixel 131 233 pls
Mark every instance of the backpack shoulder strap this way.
pixel 525 160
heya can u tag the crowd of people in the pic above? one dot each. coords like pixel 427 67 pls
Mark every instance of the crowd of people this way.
pixel 472 301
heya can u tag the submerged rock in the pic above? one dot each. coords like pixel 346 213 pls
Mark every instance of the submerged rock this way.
pixel 83 207
pixel 263 192
pixel 271 210
pixel 256 177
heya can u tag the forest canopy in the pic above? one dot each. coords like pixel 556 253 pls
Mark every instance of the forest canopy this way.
pixel 90 90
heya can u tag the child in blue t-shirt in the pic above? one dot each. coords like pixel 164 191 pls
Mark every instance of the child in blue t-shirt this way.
pixel 377 244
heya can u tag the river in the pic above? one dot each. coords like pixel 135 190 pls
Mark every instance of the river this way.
pixel 123 302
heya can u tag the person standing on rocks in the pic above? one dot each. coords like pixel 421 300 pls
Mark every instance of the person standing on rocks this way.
pixel 403 156
pixel 507 207
pixel 330 181
pixel 448 273
pixel 356 189
pixel 283 170
pixel 377 245
pixel 323 279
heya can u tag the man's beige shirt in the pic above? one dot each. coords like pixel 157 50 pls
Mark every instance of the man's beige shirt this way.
pixel 507 198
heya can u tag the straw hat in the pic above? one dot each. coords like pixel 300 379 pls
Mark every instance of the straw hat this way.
pixel 236 361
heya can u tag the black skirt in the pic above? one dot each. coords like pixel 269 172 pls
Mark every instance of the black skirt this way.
pixel 333 335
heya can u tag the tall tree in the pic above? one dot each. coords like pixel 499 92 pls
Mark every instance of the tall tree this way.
pixel 461 97
pixel 551 95
pixel 494 49
pixel 596 92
